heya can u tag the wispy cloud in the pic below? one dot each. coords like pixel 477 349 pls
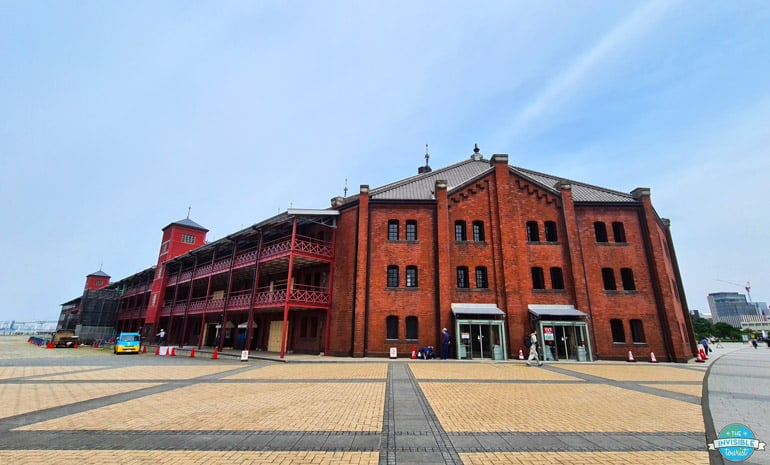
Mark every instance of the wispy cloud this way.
pixel 556 93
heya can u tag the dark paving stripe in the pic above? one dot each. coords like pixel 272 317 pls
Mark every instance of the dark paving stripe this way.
pixel 633 385
pixel 406 443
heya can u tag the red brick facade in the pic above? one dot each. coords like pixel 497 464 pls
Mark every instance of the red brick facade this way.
pixel 502 201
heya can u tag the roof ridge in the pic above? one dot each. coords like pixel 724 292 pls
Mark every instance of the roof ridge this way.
pixel 525 171
pixel 405 181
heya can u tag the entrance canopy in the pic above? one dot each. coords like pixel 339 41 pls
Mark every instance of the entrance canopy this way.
pixel 476 309
pixel 555 310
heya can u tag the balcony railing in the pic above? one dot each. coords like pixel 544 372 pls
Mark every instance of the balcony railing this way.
pixel 267 296
pixel 304 245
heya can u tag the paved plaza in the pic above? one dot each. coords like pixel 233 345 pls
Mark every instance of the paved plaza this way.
pixel 88 406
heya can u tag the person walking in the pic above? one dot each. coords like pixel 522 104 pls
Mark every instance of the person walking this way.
pixel 533 356
pixel 446 340
pixel 705 343
pixel 161 337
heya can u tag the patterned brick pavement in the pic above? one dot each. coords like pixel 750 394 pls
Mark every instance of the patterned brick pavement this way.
pixel 88 406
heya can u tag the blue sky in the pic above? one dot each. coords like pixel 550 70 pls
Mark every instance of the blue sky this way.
pixel 117 116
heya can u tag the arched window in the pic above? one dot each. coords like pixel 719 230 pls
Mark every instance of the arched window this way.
pixel 411 327
pixel 618 333
pixel 392 276
pixel 538 279
pixel 478 231
pixel 463 280
pixel 392 230
pixel 411 230
pixel 460 234
pixel 533 234
pixel 481 277
pixel 411 276
pixel 627 277
pixel 601 231
pixel 557 278
pixel 391 325
pixel 608 275
pixel 637 331
pixel 550 232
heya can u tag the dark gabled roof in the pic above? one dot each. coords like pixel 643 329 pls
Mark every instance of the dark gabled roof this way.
pixel 581 192
pixel 421 186
pixel 188 223
pixel 99 273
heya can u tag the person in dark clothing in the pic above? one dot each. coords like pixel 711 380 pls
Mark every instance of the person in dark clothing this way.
pixel 446 340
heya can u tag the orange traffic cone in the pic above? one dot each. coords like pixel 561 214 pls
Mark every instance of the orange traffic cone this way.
pixel 173 351
pixel 652 357
pixel 215 355
pixel 700 358
pixel 521 353
pixel 75 345
pixel 414 352
pixel 192 353
pixel 144 349
pixel 49 345
pixel 702 352
pixel 631 356
pixel 157 350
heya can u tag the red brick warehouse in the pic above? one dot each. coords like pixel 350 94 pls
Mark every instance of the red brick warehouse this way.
pixel 487 250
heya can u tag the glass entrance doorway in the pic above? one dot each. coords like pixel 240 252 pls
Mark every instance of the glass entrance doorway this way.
pixel 565 340
pixel 480 339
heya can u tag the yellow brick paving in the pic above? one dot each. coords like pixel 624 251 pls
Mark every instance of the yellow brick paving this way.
pixel 636 372
pixel 499 371
pixel 587 458
pixel 565 407
pixel 240 407
pixel 140 457
pixel 24 398
pixel 318 371
pixel 24 372
pixel 149 372
pixel 689 389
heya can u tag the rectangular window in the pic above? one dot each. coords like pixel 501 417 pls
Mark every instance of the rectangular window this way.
pixel 481 277
pixel 391 324
pixel 411 276
pixel 411 327
pixel 533 234
pixel 538 279
pixel 550 232
pixel 600 229
pixel 618 231
pixel 393 230
pixel 392 276
pixel 637 331
pixel 188 238
pixel 478 231
pixel 462 277
pixel 460 234
pixel 627 276
pixel 618 334
pixel 411 230
pixel 557 278
pixel 608 276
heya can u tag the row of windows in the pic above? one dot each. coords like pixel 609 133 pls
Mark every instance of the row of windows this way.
pixel 626 277
pixel 619 333
pixel 410 328
pixel 533 231
pixel 538 278
pixel 616 327
pixel 618 232
pixel 411 230
pixel 411 276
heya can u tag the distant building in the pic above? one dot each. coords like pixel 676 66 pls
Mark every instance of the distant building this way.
pixel 9 328
pixel 732 307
